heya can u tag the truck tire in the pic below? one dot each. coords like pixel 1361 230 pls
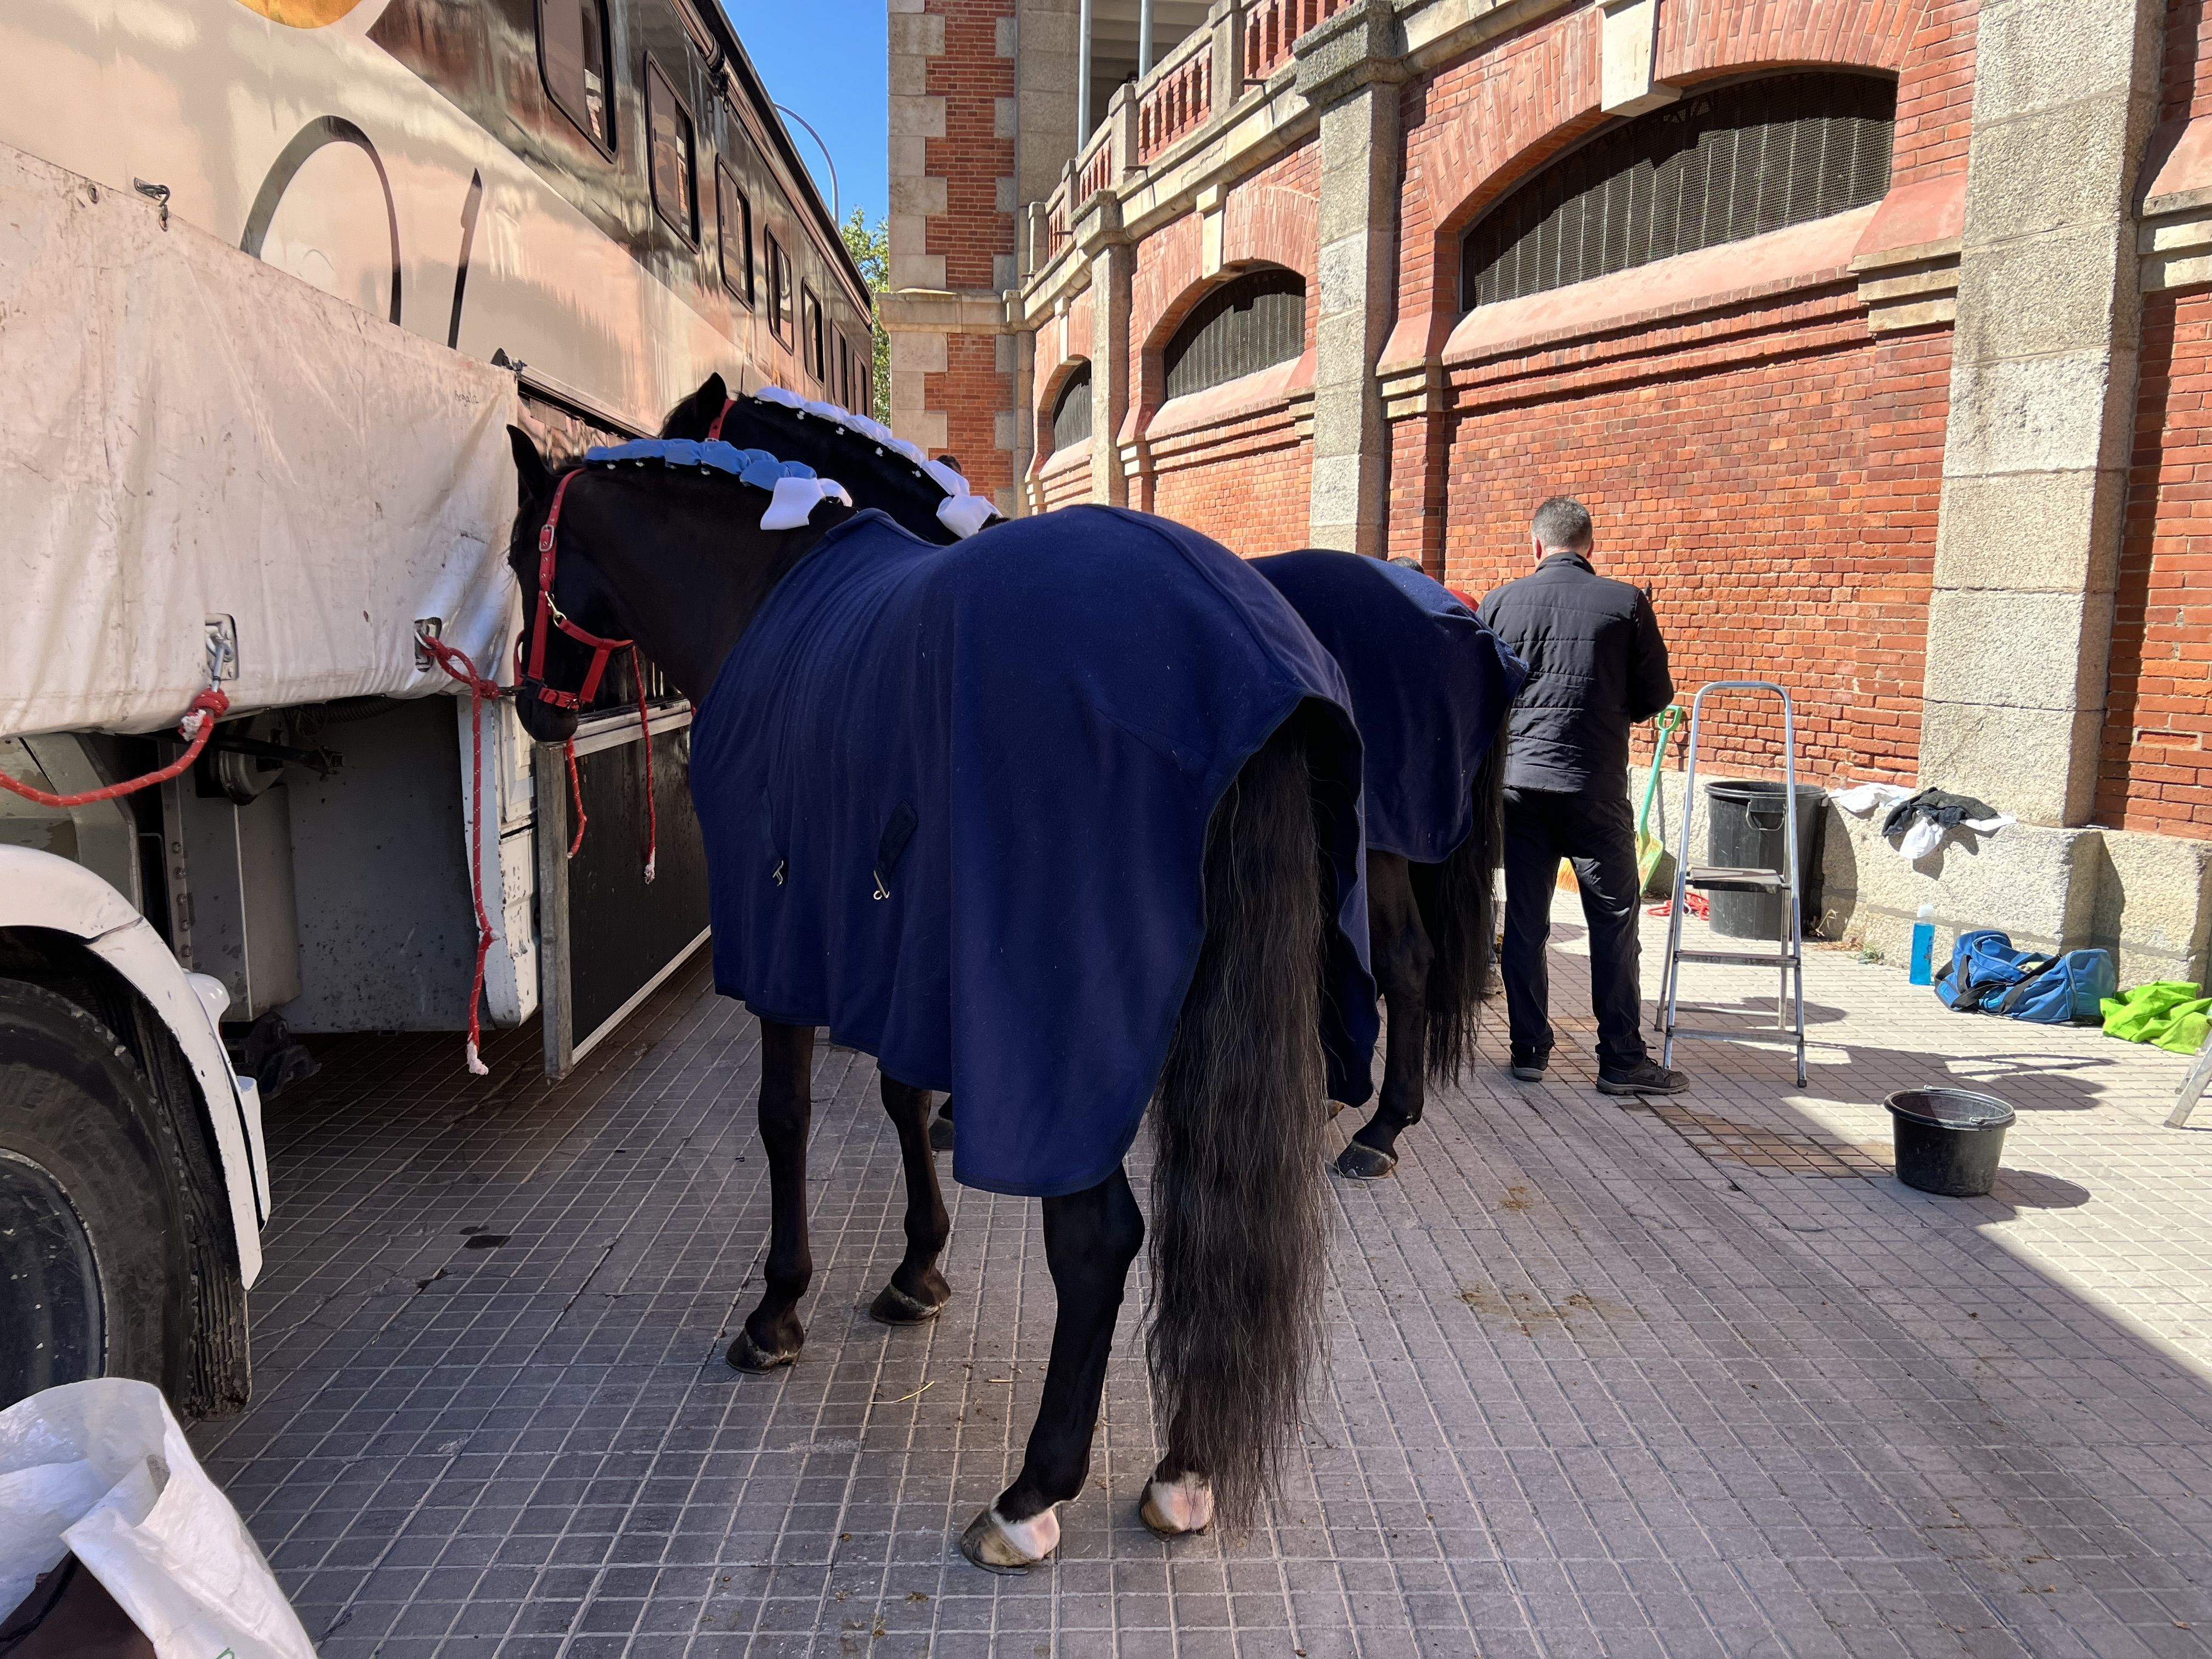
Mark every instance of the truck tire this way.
pixel 93 1280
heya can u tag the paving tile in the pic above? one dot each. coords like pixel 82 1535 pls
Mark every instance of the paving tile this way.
pixel 1669 1380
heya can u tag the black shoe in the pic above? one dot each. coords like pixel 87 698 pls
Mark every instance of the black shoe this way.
pixel 1646 1077
pixel 1529 1068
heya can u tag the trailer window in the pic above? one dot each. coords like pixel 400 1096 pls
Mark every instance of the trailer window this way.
pixel 734 212
pixel 778 289
pixel 810 318
pixel 573 55
pixel 675 168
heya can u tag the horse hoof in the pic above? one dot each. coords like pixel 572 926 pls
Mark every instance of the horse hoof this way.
pixel 1335 1111
pixel 1360 1162
pixel 940 1134
pixel 997 1546
pixel 748 1356
pixel 1176 1509
pixel 893 1306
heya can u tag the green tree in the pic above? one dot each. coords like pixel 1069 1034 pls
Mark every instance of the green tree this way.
pixel 870 248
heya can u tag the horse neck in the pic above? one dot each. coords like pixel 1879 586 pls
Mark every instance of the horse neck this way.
pixel 686 568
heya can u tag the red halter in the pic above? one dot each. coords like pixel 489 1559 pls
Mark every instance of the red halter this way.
pixel 715 432
pixel 533 678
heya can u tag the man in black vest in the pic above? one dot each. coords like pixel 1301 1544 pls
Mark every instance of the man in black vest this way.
pixel 1596 666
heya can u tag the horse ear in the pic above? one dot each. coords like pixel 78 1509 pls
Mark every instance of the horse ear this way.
pixel 533 478
pixel 693 417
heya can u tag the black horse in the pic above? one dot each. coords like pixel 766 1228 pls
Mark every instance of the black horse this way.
pixel 1257 1013
pixel 1431 687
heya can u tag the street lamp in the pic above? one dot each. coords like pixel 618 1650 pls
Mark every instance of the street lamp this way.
pixel 836 208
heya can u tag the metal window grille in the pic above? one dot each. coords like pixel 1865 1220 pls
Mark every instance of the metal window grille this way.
pixel 1715 168
pixel 1071 415
pixel 1252 323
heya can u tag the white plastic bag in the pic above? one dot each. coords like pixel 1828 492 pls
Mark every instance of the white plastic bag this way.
pixel 101 1469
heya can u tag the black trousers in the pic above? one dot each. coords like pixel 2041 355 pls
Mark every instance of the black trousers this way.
pixel 1597 833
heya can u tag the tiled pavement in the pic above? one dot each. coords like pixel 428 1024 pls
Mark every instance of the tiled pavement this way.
pixel 1600 1382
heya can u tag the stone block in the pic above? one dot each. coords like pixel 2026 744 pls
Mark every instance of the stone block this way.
pixel 1995 648
pixel 2055 532
pixel 2060 291
pixel 2072 164
pixel 921 353
pixel 1006 118
pixel 2040 886
pixel 917 198
pixel 918 271
pixel 2038 764
pixel 2031 56
pixel 2154 908
pixel 1002 429
pixel 909 75
pixel 2038 415
pixel 917 118
pixel 925 427
pixel 1336 491
pixel 908 232
pixel 1626 47
pixel 1361 46
pixel 1006 37
pixel 910 155
pixel 921 35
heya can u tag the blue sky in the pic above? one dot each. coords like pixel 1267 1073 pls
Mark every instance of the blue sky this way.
pixel 829 60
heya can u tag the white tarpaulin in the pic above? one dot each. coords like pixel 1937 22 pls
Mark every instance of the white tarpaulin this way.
pixel 188 434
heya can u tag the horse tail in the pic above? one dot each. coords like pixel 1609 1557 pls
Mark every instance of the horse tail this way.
pixel 1458 904
pixel 1239 1225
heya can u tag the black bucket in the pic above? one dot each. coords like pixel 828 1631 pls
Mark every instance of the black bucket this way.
pixel 1948 1140
pixel 1744 831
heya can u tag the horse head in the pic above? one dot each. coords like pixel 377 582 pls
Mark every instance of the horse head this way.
pixel 667 549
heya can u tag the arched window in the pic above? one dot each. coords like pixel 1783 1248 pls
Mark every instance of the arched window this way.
pixel 1715 168
pixel 1252 323
pixel 1071 411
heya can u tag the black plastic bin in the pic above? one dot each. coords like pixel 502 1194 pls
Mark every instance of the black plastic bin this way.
pixel 1948 1140
pixel 1744 831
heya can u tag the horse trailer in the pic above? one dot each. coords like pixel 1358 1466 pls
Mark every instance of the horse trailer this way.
pixel 276 275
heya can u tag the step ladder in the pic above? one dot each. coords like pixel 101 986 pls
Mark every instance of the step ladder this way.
pixel 1788 959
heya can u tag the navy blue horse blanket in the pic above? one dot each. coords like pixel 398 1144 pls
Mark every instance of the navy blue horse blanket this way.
pixel 955 802
pixel 1430 686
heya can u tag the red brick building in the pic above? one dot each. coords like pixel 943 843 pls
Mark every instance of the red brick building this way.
pixel 1876 333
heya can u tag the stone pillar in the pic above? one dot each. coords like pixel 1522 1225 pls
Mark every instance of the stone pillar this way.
pixel 1350 67
pixel 2043 385
pixel 1113 262
pixel 1044 91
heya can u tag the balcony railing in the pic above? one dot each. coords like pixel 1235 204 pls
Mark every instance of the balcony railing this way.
pixel 1270 27
pixel 1193 86
pixel 1180 97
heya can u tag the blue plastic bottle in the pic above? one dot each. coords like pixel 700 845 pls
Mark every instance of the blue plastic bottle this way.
pixel 1924 946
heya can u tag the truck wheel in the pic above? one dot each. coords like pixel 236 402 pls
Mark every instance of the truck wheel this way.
pixel 91 1252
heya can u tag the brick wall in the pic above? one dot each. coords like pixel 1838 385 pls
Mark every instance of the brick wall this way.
pixel 1778 492
pixel 2156 771
pixel 972 392
pixel 2187 83
pixel 1245 480
pixel 971 157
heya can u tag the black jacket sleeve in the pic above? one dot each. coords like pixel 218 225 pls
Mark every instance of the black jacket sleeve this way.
pixel 1651 687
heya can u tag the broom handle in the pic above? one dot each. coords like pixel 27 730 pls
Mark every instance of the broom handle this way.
pixel 1669 719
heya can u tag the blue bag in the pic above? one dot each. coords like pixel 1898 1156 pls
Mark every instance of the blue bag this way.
pixel 1987 974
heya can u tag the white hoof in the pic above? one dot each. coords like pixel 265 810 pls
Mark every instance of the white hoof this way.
pixel 998 1545
pixel 1173 1508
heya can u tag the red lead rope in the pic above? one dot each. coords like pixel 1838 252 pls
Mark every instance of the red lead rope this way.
pixel 459 665
pixel 197 727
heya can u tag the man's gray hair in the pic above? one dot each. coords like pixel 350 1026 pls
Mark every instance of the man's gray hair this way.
pixel 1562 522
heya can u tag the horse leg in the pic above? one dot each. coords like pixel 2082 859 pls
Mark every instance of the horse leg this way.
pixel 1401 953
pixel 1091 1238
pixel 917 1292
pixel 772 1336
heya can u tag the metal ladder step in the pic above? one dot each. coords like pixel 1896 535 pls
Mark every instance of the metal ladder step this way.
pixel 1742 959
pixel 1728 879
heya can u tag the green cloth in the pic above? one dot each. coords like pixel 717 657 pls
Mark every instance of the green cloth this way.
pixel 2171 1012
